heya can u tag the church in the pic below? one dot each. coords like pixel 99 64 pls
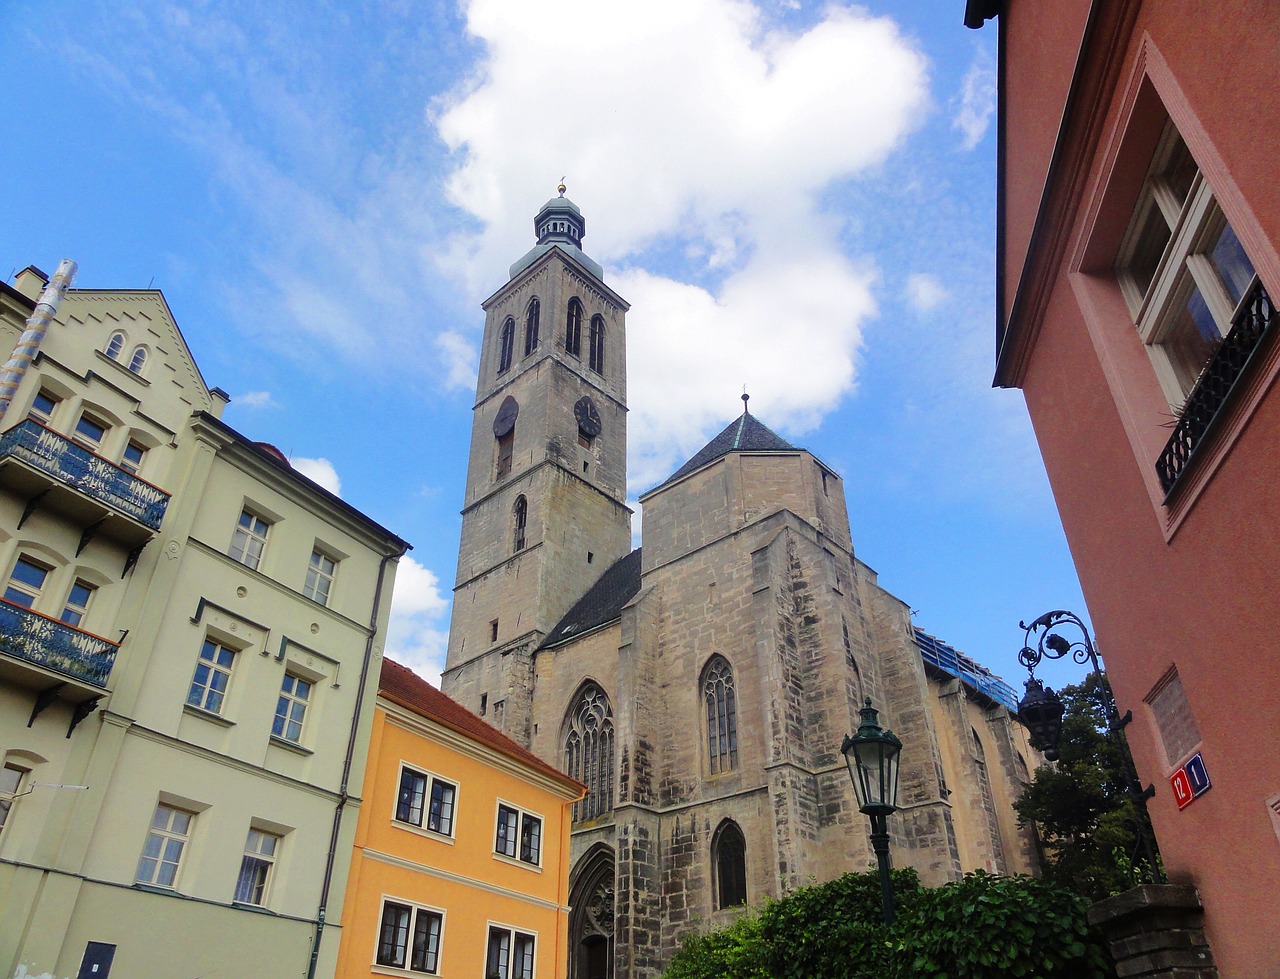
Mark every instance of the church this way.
pixel 699 685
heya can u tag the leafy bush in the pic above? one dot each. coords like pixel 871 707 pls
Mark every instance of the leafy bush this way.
pixel 736 952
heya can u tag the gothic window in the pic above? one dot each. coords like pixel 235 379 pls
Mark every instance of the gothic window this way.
pixel 573 329
pixel 506 443
pixel 531 326
pixel 596 340
pixel 988 803
pixel 729 854
pixel 521 515
pixel 588 752
pixel 853 663
pixel 722 715
pixel 115 345
pixel 507 344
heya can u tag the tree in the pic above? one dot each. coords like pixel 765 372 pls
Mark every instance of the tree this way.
pixel 1082 809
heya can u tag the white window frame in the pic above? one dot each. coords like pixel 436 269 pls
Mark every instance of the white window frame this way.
pixel 425 802
pixel 317 576
pixel 8 796
pixel 84 440
pixel 257 867
pixel 115 345
pixel 129 465
pixel 33 592
pixel 214 665
pixel 81 610
pixel 290 701
pixel 515 938
pixel 162 828
pixel 516 840
pixel 39 414
pixel 403 954
pixel 251 528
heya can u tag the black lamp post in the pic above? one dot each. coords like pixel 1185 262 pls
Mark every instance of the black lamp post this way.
pixel 1041 709
pixel 872 757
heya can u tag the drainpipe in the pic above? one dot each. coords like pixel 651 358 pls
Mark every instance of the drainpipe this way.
pixel 37 326
pixel 343 797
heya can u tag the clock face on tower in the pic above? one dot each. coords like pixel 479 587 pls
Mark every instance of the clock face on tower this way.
pixel 588 416
pixel 505 420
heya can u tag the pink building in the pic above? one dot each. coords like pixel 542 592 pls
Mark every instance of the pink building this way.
pixel 1138 223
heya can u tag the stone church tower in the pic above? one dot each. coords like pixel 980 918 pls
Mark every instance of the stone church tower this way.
pixel 700 685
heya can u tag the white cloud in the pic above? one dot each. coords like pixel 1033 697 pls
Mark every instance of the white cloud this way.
pixel 254 399
pixel 976 103
pixel 460 358
pixel 320 471
pixel 418 634
pixel 925 292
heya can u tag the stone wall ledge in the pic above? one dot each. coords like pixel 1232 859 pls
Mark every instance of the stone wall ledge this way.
pixel 1156 932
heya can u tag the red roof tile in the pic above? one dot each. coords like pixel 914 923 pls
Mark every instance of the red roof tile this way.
pixel 404 687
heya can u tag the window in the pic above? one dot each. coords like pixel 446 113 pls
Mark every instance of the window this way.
pixel 255 867
pixel 249 539
pixel 25 582
pixel 162 853
pixel 573 329
pixel 419 791
pixel 131 461
pixel 213 674
pixel 399 923
pixel 506 444
pixel 510 955
pixel 729 854
pixel 10 783
pixel 596 341
pixel 531 326
pixel 114 345
pixel 521 515
pixel 139 360
pixel 319 577
pixel 291 708
pixel 722 715
pixel 90 432
pixel 42 407
pixel 519 835
pixel 588 751
pixel 506 345
pixel 77 605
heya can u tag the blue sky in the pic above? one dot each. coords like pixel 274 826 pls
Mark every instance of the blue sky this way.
pixel 794 197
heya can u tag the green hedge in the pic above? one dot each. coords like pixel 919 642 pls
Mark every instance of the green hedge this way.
pixel 982 927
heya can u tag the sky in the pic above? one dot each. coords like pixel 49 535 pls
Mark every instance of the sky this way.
pixel 796 198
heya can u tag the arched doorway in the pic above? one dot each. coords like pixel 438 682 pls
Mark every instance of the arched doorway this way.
pixel 591 916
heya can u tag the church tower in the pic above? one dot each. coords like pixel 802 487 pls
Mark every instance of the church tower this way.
pixel 545 510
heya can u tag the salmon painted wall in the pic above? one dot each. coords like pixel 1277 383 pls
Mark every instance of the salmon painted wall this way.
pixel 462 876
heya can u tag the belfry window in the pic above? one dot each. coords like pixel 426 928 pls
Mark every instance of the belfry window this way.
pixel 729 854
pixel 722 716
pixel 588 751
pixel 506 345
pixel 506 443
pixel 521 516
pixel 531 326
pixel 596 361
pixel 573 329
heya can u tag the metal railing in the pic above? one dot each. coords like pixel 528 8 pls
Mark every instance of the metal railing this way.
pixel 1254 320
pixel 38 639
pixel 91 474
pixel 952 661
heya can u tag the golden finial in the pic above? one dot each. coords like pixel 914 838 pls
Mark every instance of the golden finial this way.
pixel 561 187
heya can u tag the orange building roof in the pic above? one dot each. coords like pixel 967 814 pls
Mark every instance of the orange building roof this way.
pixel 402 686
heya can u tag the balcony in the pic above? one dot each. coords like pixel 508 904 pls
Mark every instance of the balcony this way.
pixel 1254 321
pixel 51 471
pixel 34 646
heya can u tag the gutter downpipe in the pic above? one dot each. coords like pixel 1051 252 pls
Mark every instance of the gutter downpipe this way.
pixel 343 797
pixel 33 334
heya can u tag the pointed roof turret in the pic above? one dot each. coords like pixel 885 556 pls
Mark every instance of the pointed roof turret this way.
pixel 559 224
pixel 744 434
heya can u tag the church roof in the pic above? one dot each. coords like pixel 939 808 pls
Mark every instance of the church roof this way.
pixel 744 434
pixel 967 670
pixel 602 603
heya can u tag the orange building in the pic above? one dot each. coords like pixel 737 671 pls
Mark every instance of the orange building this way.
pixel 461 860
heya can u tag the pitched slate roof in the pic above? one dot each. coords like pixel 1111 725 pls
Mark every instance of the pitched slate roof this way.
pixel 744 434
pixel 402 686
pixel 602 603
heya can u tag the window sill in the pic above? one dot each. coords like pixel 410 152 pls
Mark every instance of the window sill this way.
pixel 257 908
pixel 207 715
pixel 290 746
pixel 429 834
pixel 157 889
pixel 512 861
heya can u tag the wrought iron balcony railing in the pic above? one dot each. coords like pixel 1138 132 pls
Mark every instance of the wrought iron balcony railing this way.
pixel 1254 321
pixel 93 475
pixel 55 645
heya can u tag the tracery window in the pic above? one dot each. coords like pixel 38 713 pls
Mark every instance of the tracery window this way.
pixel 588 751
pixel 573 329
pixel 506 345
pixel 722 715
pixel 531 318
pixel 596 341
pixel 521 516
pixel 729 854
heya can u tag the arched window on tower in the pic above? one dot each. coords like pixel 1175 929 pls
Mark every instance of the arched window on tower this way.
pixel 506 345
pixel 115 345
pixel 729 854
pixel 596 361
pixel 588 751
pixel 722 715
pixel 531 317
pixel 521 515
pixel 573 329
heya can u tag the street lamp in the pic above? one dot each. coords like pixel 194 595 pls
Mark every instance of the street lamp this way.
pixel 872 756
pixel 1041 710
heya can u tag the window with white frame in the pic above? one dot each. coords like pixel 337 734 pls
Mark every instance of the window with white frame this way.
pixel 90 432
pixel 77 604
pixel 409 937
pixel 426 801
pixel 209 685
pixel 256 866
pixel 519 835
pixel 11 778
pixel 510 954
pixel 166 841
pixel 26 581
pixel 249 539
pixel 42 407
pixel 131 460
pixel 320 574
pixel 291 707
pixel 139 360
pixel 115 344
pixel 1181 268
